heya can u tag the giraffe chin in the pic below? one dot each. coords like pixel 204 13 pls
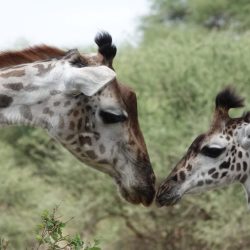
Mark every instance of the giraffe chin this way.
pixel 137 196
pixel 164 200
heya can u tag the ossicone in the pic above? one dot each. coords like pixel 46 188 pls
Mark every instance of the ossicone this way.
pixel 228 99
pixel 105 47
pixel 225 100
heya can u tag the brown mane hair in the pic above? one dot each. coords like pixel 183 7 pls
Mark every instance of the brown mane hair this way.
pixel 28 55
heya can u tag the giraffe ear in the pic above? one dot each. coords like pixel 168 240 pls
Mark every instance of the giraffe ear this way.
pixel 89 80
pixel 244 137
pixel 74 57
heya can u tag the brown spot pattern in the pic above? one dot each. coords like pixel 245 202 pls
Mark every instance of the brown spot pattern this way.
pixel 26 112
pixel 79 124
pixel 84 140
pixel 243 178
pixel 46 110
pixel 208 182
pixel 44 124
pixel 69 137
pixel 223 174
pixel 189 167
pixel 224 164
pixel 238 166
pixel 56 103
pixel 5 101
pixel 102 149
pixel 240 154
pixel 55 92
pixel 67 103
pixel 71 125
pixel 30 88
pixel 76 113
pixel 91 154
pixel 13 73
pixel 42 69
pixel 215 175
pixel 61 122
pixel 210 171
pixel 182 175
pixel 244 166
pixel 200 183
pixel 13 86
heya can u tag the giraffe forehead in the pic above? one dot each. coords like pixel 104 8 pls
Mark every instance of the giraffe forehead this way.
pixel 214 140
pixel 196 144
pixel 217 140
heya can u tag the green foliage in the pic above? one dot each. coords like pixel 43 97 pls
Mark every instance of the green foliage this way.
pixel 50 235
pixel 222 14
pixel 3 244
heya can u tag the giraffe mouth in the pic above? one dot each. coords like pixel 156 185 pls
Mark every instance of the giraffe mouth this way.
pixel 144 195
pixel 142 188
pixel 167 199
pixel 167 196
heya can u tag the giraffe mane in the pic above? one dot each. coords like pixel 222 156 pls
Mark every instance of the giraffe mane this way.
pixel 29 55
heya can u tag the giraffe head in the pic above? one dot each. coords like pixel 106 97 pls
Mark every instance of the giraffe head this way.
pixel 214 159
pixel 96 121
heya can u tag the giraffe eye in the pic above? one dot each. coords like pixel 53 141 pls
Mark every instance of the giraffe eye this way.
pixel 212 152
pixel 109 117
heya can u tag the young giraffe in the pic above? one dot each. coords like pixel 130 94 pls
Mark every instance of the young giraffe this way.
pixel 216 158
pixel 78 100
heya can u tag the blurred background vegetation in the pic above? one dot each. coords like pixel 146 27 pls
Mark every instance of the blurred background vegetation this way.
pixel 190 49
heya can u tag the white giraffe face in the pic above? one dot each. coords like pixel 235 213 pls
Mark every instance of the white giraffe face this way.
pixel 101 127
pixel 103 131
pixel 214 159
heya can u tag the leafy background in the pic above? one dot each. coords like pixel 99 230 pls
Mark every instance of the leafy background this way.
pixel 189 50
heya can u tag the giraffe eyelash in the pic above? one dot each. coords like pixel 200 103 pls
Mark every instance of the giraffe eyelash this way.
pixel 212 152
pixel 110 118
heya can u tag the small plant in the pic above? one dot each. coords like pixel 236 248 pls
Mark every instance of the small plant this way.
pixel 50 235
pixel 3 244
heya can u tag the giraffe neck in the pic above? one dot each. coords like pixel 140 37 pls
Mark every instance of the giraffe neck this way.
pixel 25 91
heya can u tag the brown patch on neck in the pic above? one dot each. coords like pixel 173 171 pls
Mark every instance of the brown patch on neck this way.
pixel 129 99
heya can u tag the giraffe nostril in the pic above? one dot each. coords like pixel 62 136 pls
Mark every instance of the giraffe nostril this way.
pixel 174 178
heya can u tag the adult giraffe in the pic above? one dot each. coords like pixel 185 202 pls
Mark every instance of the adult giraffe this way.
pixel 216 158
pixel 78 100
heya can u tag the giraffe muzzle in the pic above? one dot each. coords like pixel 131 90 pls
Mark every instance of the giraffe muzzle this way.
pixel 144 195
pixel 167 195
